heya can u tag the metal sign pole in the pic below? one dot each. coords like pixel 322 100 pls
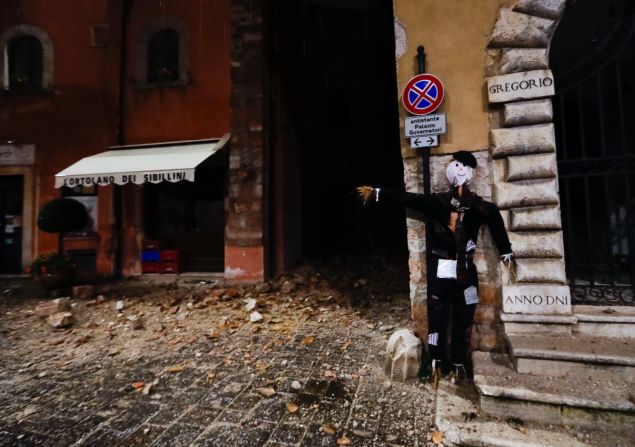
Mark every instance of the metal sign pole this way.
pixel 425 159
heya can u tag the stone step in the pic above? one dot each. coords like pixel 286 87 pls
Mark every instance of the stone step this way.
pixel 527 324
pixel 578 356
pixel 589 403
pixel 605 321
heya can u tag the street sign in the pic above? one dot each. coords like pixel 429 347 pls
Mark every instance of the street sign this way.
pixel 425 125
pixel 427 141
pixel 423 94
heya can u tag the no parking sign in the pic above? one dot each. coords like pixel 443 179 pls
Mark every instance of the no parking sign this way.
pixel 423 94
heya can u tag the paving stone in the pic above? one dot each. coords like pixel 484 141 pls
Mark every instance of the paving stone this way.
pixel 288 433
pixel 101 438
pixel 217 435
pixel 142 436
pixel 178 435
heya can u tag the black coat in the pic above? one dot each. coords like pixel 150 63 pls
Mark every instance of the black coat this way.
pixel 460 244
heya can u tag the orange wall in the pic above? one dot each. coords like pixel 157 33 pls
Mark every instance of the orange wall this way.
pixel 79 117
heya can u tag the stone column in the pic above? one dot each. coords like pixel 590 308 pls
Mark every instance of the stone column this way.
pixel 522 146
pixel 244 253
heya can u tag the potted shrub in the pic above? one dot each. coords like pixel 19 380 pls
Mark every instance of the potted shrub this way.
pixel 56 270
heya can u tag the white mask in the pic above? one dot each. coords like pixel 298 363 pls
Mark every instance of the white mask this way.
pixel 458 174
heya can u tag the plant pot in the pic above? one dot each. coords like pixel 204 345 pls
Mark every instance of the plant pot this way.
pixel 62 278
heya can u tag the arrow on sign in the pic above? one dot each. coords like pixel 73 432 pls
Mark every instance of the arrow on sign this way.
pixel 427 141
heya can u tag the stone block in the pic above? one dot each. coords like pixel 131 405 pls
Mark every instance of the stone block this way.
pixel 518 328
pixel 525 410
pixel 83 292
pixel 515 60
pixel 488 294
pixel 537 299
pixel 484 314
pixel 531 270
pixel 419 317
pixel 542 218
pixel 514 195
pixel 525 113
pixel 403 356
pixel 60 320
pixel 48 308
pixel 573 369
pixel 531 167
pixel 489 342
pixel 537 244
pixel 548 9
pixel 515 29
pixel 537 139
pixel 522 85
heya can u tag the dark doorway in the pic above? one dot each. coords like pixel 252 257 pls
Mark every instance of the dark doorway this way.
pixel 11 195
pixel 335 125
pixel 592 57
pixel 189 217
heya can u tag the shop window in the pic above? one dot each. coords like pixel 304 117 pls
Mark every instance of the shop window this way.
pixel 26 60
pixel 163 54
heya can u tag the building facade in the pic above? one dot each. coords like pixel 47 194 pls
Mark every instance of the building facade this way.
pixel 309 93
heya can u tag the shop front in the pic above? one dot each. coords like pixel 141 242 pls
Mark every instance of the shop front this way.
pixel 168 213
pixel 16 204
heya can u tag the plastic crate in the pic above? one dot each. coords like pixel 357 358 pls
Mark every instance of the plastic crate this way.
pixel 169 255
pixel 150 256
pixel 170 267
pixel 151 267
pixel 152 244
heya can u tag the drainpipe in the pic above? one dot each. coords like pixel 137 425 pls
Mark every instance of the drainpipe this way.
pixel 120 137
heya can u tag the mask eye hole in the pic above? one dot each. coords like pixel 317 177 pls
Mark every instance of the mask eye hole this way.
pixel 456 164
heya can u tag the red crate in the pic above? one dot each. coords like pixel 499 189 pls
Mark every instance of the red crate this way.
pixel 169 255
pixel 170 267
pixel 151 267
pixel 152 244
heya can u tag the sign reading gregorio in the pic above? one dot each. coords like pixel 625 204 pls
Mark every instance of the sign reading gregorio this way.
pixel 525 85
pixel 537 299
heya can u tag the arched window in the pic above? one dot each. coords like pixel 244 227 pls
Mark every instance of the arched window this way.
pixel 163 49
pixel 163 56
pixel 25 57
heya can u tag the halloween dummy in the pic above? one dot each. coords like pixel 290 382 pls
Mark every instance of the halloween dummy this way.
pixel 455 218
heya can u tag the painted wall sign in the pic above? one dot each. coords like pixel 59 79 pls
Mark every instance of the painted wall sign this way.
pixel 423 94
pixel 425 125
pixel 123 178
pixel 525 85
pixel 17 154
pixel 425 141
pixel 537 299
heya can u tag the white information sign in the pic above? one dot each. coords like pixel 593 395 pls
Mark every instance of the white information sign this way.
pixel 425 125
pixel 17 154
pixel 427 141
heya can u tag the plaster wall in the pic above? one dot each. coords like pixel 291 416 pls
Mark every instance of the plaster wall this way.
pixel 455 35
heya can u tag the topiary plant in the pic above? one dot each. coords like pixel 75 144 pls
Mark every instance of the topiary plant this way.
pixel 62 216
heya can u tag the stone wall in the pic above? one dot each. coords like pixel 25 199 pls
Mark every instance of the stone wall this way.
pixel 244 255
pixel 522 145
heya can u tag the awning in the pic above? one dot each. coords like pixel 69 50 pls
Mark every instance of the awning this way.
pixel 155 163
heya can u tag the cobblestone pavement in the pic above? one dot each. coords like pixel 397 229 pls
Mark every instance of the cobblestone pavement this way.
pixel 186 367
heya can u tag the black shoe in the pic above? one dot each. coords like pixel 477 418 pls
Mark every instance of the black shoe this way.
pixel 458 374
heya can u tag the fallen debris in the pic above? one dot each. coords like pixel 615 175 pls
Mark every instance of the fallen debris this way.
pixel 60 320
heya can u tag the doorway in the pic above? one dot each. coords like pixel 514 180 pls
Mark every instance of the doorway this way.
pixel 335 125
pixel 11 199
pixel 593 60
